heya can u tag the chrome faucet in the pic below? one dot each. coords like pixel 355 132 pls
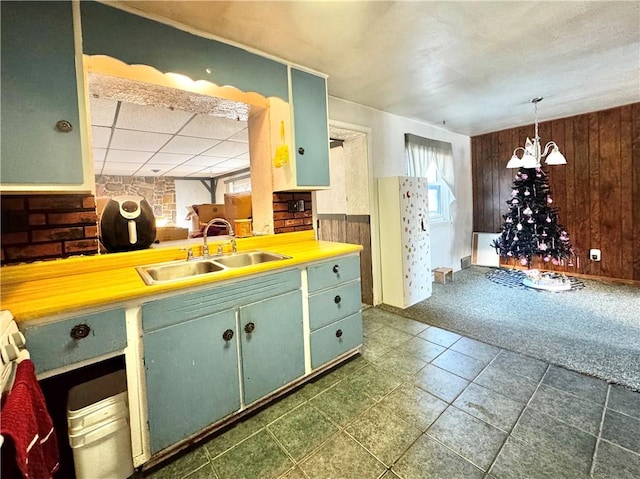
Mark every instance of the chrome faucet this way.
pixel 205 247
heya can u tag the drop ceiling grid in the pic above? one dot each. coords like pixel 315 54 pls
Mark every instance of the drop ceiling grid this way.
pixel 131 139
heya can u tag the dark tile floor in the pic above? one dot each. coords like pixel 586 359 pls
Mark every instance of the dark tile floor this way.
pixel 421 402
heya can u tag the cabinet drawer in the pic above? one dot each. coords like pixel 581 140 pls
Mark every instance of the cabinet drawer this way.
pixel 52 345
pixel 331 341
pixel 333 304
pixel 333 272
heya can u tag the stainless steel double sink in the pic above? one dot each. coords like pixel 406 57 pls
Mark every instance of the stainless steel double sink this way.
pixel 177 270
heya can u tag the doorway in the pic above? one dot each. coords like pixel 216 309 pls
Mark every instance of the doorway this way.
pixel 344 211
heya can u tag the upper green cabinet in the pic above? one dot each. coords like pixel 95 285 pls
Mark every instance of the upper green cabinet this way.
pixel 39 88
pixel 137 40
pixel 308 164
pixel 309 93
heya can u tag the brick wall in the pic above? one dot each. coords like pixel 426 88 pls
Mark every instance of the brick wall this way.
pixel 47 226
pixel 285 222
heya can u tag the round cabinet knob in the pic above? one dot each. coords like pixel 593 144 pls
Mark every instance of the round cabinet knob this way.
pixel 64 126
pixel 301 150
pixel 249 328
pixel 9 353
pixel 339 333
pixel 227 335
pixel 80 331
pixel 337 299
pixel 336 268
pixel 18 340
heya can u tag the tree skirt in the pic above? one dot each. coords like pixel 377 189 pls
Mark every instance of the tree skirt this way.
pixel 513 278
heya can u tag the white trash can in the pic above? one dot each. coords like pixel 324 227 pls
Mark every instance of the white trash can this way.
pixel 99 432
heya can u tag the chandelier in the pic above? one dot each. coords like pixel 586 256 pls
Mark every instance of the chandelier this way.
pixel 532 152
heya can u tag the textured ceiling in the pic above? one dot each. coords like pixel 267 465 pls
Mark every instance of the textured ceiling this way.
pixel 472 65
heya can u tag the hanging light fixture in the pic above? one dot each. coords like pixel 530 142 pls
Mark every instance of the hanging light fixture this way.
pixel 532 152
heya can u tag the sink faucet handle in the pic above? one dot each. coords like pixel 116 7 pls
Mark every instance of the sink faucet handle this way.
pixel 189 254
pixel 233 245
pixel 220 248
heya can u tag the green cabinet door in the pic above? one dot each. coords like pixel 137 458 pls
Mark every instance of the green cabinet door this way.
pixel 272 344
pixel 39 88
pixel 192 376
pixel 309 93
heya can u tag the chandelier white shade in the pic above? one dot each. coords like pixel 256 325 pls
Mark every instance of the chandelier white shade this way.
pixel 532 151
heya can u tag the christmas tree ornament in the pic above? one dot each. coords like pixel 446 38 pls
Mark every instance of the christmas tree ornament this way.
pixel 549 200
pixel 519 226
pixel 526 192
pixel 527 211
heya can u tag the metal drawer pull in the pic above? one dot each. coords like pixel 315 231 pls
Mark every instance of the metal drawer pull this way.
pixel 80 331
pixel 336 268
pixel 249 328
pixel 339 333
pixel 64 126
pixel 227 335
pixel 337 299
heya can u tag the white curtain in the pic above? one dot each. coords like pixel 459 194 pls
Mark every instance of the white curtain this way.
pixel 421 152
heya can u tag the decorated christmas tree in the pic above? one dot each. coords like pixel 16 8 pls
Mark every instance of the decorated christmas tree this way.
pixel 530 226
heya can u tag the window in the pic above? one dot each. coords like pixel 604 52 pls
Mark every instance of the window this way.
pixel 438 195
pixel 426 158
pixel 238 184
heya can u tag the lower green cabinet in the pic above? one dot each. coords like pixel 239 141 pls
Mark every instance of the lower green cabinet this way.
pixel 192 376
pixel 203 363
pixel 272 344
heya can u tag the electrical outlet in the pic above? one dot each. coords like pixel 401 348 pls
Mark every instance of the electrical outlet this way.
pixel 594 254
pixel 293 206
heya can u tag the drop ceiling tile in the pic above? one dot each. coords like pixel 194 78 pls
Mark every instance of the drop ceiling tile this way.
pixel 229 149
pixel 120 168
pixel 151 118
pixel 206 161
pixel 138 140
pixel 128 156
pixel 154 169
pixel 99 154
pixel 102 111
pixel 208 173
pixel 170 158
pixel 100 136
pixel 187 145
pixel 241 136
pixel 235 163
pixel 207 126
pixel 184 170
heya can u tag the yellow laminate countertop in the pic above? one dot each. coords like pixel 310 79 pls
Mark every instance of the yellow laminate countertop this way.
pixel 38 290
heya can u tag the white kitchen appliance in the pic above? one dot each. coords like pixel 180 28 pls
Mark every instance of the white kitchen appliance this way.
pixel 404 240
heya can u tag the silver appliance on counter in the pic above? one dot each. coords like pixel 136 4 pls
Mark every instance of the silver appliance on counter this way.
pixel 127 223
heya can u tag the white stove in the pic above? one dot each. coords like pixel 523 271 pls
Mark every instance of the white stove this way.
pixel 12 349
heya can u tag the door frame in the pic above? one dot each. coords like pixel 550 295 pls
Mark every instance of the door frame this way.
pixel 373 205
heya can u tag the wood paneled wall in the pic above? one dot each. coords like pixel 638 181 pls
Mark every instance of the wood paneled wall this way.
pixel 597 192
pixel 353 230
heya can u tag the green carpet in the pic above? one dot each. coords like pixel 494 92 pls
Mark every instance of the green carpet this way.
pixel 594 330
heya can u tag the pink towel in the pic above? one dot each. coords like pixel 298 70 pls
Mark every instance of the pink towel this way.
pixel 26 421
